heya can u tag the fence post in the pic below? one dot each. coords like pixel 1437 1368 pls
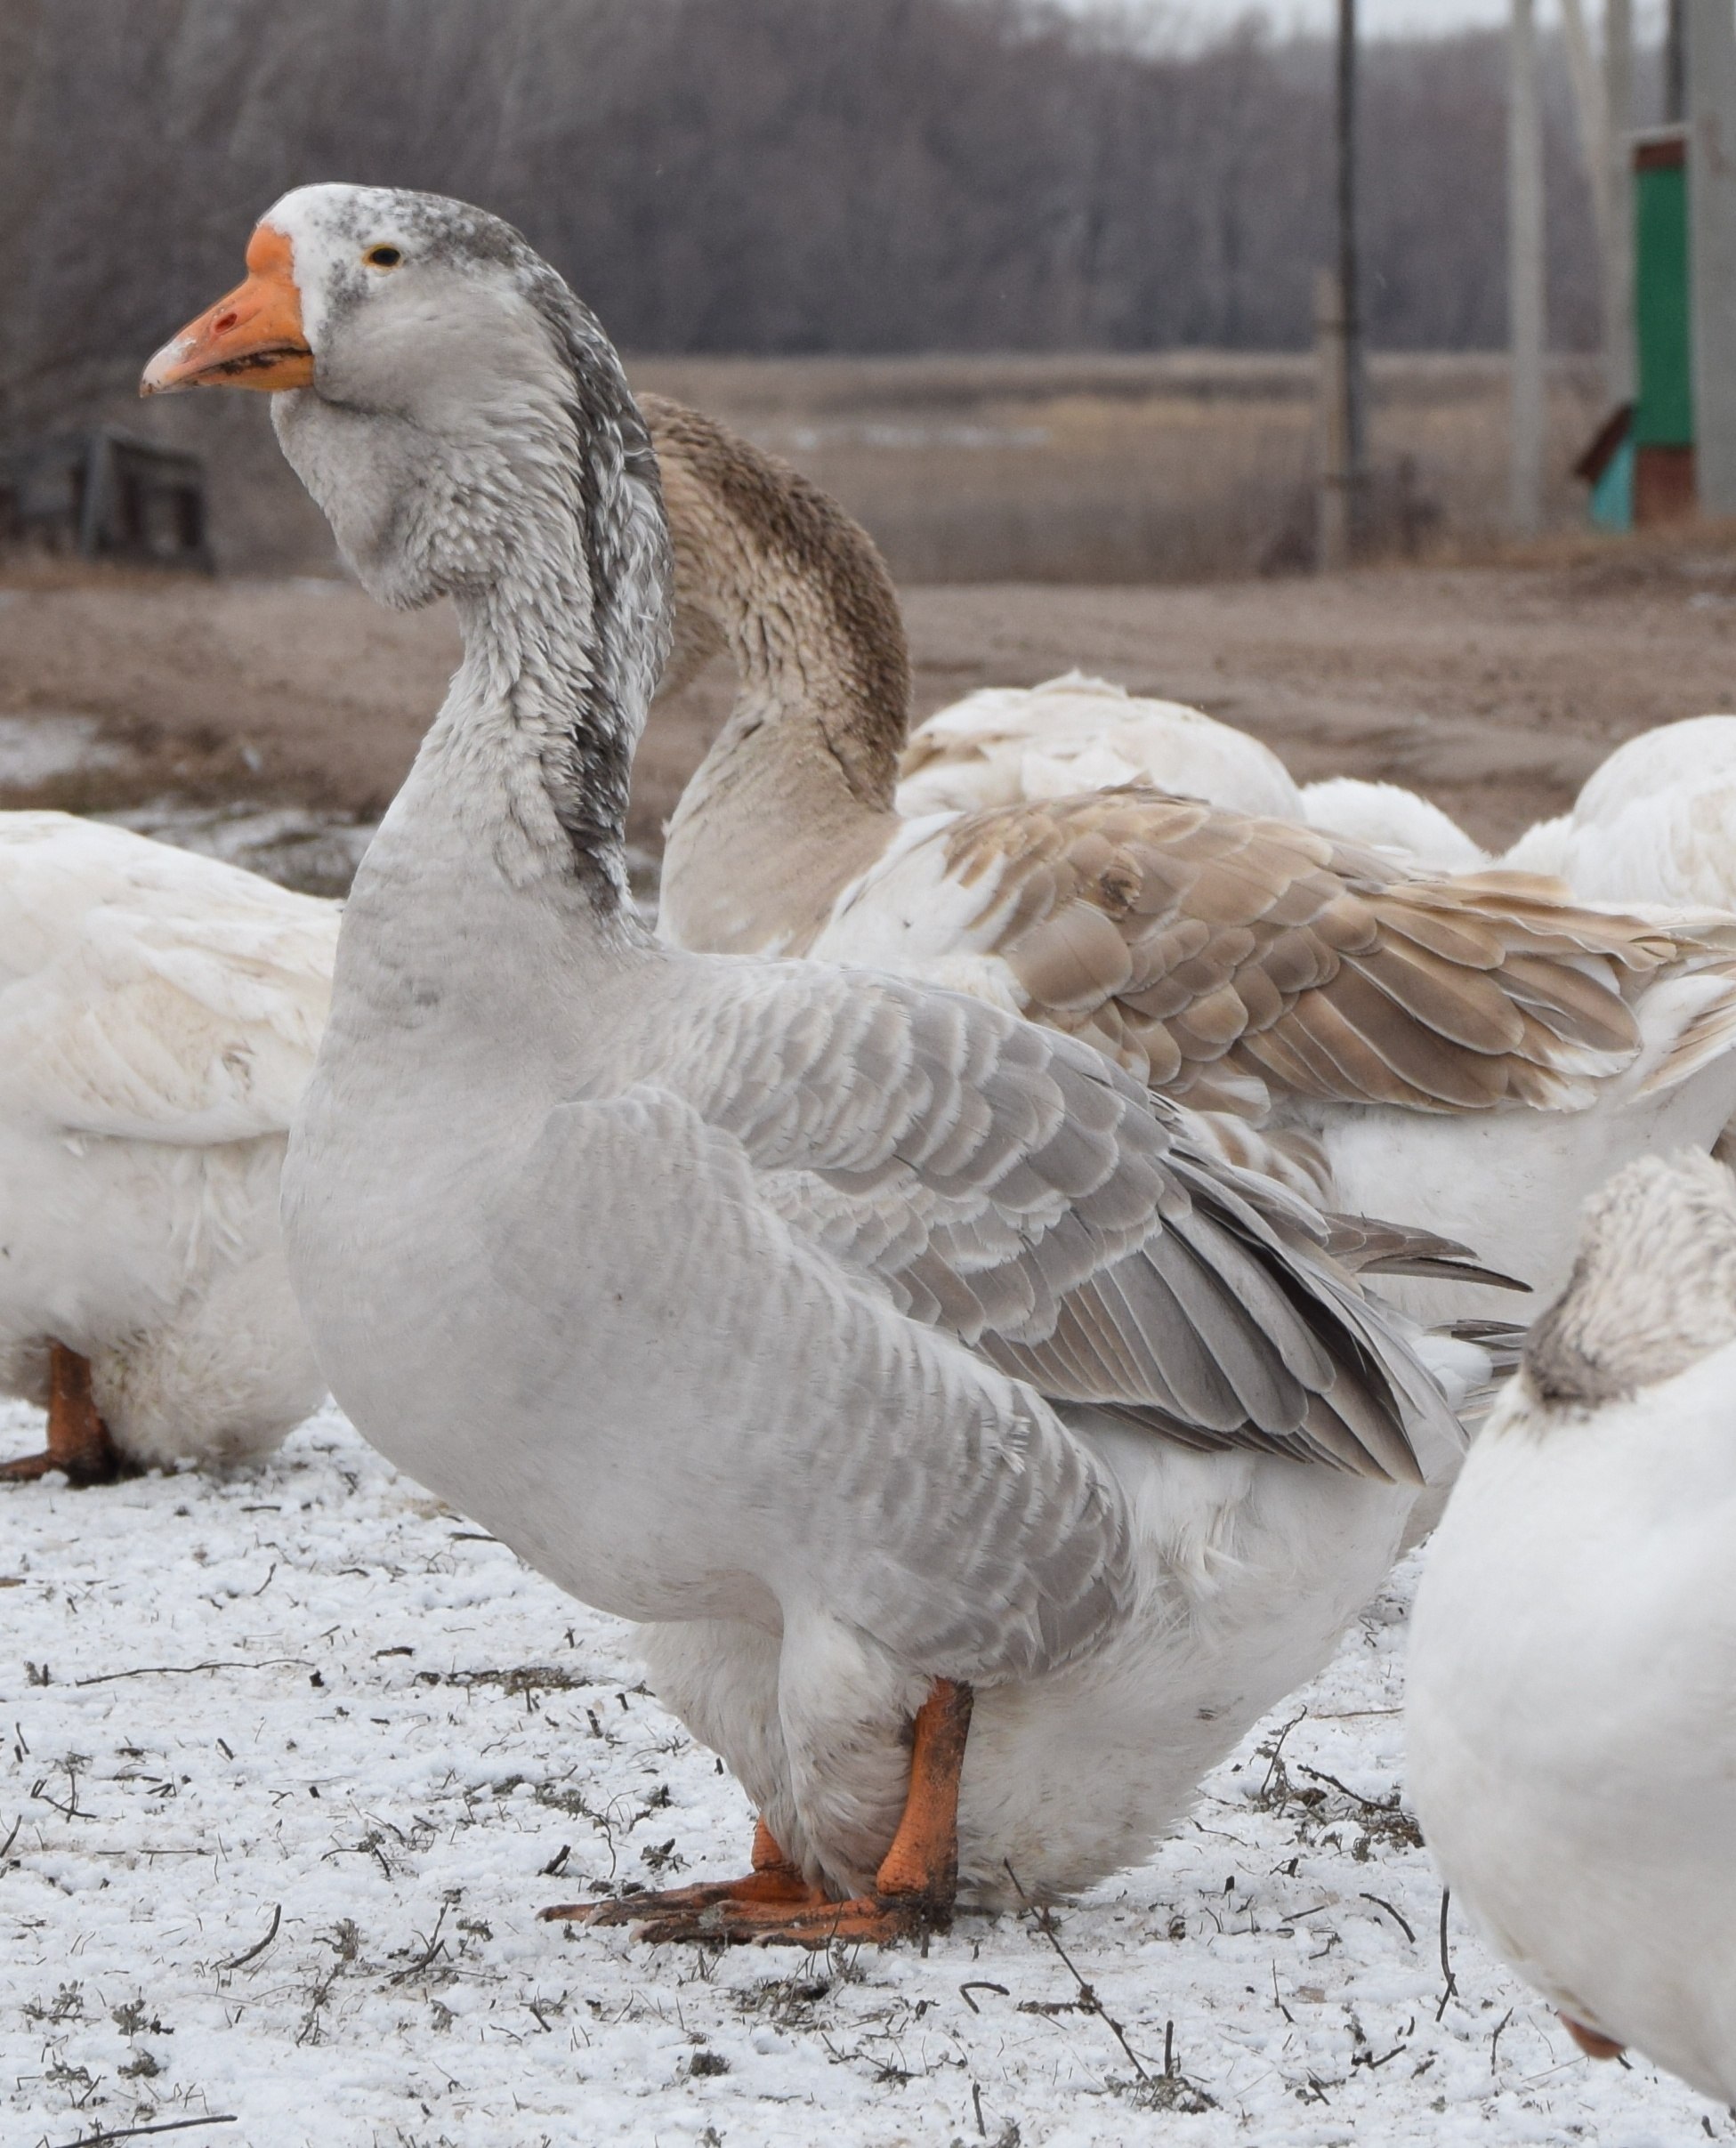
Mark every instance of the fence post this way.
pixel 1525 296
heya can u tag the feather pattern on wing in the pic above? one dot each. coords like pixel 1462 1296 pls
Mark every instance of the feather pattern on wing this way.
pixel 1010 1185
pixel 1244 965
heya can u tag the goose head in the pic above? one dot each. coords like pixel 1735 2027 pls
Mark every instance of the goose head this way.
pixel 466 425
pixel 444 397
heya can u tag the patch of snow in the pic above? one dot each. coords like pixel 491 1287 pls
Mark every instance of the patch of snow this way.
pixel 36 748
pixel 295 1756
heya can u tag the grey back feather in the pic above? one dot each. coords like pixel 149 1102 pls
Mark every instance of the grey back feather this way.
pixel 1010 1185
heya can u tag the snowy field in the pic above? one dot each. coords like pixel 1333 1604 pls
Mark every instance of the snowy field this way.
pixel 293 1759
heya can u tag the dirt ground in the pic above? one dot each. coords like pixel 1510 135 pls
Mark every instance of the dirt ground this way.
pixel 1495 689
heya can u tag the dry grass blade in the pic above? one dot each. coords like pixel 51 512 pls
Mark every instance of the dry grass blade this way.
pixel 1088 2000
pixel 1450 1984
pixel 186 1670
pixel 252 1953
pixel 132 2133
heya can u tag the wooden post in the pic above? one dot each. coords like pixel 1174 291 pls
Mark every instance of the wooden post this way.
pixel 1525 296
pixel 94 502
pixel 1711 92
pixel 1332 528
pixel 1617 291
pixel 1352 426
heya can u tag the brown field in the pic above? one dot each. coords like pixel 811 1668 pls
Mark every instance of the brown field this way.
pixel 1095 469
pixel 1135 516
pixel 1135 469
pixel 1495 688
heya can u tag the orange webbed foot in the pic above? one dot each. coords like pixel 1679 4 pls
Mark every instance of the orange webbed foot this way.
pixel 913 1890
pixel 863 1920
pixel 774 1883
pixel 78 1440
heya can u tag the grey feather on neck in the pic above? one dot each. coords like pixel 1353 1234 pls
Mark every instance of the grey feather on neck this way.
pixel 624 543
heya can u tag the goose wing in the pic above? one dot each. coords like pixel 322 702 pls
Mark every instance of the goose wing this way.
pixel 1008 1185
pixel 149 993
pixel 1240 963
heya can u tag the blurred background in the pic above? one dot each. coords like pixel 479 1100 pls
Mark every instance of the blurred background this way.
pixel 1033 289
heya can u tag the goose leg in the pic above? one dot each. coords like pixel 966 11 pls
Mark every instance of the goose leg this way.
pixel 78 1440
pixel 773 1879
pixel 918 1877
pixel 1589 2040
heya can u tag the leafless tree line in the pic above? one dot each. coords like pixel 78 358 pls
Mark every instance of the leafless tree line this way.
pixel 763 175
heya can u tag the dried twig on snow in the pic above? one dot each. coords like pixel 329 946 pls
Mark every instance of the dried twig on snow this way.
pixel 252 1953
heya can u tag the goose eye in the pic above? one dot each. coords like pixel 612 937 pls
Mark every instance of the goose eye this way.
pixel 383 257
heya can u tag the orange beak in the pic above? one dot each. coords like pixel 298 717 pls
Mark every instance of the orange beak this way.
pixel 252 339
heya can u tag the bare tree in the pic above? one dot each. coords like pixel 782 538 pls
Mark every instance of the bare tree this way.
pixel 761 175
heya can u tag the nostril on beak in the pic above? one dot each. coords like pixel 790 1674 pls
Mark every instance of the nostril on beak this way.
pixel 224 323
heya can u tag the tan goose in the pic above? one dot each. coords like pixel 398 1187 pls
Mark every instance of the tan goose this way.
pixel 878 1347
pixel 1472 1054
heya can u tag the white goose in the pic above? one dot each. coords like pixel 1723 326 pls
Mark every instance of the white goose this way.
pixel 1390 818
pixel 158 1017
pixel 878 1345
pixel 1472 1054
pixel 1014 746
pixel 1571 1731
pixel 1005 744
pixel 1655 823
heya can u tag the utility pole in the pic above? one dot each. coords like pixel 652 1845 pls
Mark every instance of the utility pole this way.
pixel 1620 380
pixel 1675 63
pixel 1602 100
pixel 1333 534
pixel 1338 336
pixel 1711 120
pixel 1525 296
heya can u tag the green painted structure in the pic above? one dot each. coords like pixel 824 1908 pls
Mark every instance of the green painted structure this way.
pixel 1641 464
pixel 1664 409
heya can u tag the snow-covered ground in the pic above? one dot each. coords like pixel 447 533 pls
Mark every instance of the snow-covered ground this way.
pixel 296 1757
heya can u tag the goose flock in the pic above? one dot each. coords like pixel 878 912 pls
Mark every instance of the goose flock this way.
pixel 989 1284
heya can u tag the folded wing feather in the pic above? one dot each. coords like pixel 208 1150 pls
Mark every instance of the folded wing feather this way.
pixel 1006 1183
pixel 1245 965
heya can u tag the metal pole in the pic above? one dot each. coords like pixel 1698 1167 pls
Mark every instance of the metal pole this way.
pixel 1525 269
pixel 1619 354
pixel 1354 421
pixel 1676 64
pixel 1711 87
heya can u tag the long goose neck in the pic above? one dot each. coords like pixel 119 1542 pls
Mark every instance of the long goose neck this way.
pixel 797 794
pixel 564 616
